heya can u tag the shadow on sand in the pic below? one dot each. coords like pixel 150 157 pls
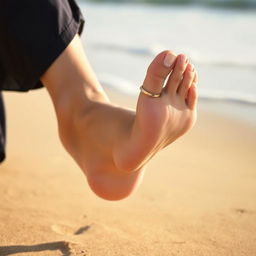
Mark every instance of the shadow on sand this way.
pixel 62 246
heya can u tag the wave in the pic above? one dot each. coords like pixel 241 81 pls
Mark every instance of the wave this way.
pixel 117 84
pixel 195 57
pixel 243 4
pixel 229 97
pixel 131 89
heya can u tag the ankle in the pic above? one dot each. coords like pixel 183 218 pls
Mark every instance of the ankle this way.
pixel 77 100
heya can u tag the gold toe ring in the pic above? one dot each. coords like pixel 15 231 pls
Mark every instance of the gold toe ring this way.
pixel 153 95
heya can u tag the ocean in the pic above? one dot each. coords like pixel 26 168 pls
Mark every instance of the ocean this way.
pixel 121 39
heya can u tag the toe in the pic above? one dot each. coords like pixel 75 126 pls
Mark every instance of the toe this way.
pixel 192 97
pixel 177 74
pixel 195 81
pixel 187 80
pixel 158 71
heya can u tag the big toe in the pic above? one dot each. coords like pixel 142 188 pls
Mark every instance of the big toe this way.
pixel 158 71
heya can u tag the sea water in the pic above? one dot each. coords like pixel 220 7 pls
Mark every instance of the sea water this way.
pixel 122 38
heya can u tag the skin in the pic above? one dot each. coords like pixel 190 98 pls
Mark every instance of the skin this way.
pixel 112 144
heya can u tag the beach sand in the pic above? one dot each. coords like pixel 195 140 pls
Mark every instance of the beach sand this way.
pixel 198 196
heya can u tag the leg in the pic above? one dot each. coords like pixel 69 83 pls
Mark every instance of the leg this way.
pixel 114 165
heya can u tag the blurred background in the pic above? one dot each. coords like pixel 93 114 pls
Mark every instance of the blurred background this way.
pixel 219 36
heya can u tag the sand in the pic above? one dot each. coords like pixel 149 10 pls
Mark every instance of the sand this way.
pixel 198 196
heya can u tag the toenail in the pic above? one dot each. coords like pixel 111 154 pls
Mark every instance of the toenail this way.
pixel 184 58
pixel 190 67
pixel 168 60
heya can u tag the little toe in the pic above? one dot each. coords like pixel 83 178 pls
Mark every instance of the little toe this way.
pixel 195 81
pixel 177 74
pixel 158 71
pixel 192 97
pixel 187 80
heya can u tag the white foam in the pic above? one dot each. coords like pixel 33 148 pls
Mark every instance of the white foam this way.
pixel 196 57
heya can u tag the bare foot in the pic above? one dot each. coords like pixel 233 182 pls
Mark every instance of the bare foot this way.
pixel 111 144
pixel 160 121
pixel 114 144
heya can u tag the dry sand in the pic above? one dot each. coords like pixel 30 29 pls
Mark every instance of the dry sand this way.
pixel 198 196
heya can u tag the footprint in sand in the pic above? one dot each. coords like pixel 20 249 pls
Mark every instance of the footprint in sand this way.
pixel 67 230
pixel 243 211
pixel 76 249
pixel 72 249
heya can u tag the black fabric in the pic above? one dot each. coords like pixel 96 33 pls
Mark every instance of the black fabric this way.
pixel 2 129
pixel 33 33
